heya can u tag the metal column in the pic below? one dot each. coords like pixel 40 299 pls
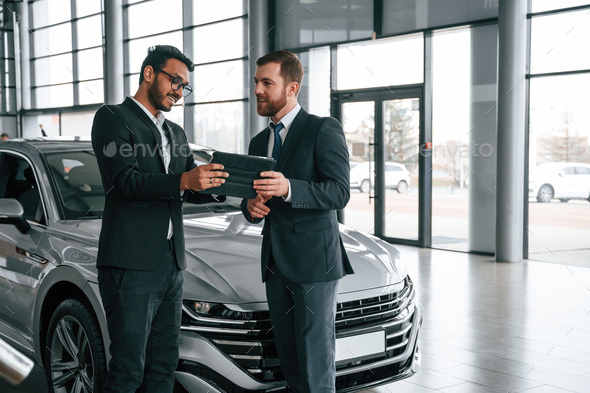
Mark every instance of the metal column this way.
pixel 511 130
pixel 258 45
pixel 114 54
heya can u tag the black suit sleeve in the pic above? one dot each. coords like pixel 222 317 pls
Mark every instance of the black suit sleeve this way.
pixel 113 142
pixel 244 204
pixel 332 189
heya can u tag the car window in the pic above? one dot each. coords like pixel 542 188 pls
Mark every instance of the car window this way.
pixel 582 170
pixel 21 184
pixel 393 168
pixel 78 183
pixel 569 170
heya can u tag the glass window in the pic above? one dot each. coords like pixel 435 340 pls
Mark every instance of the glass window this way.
pixel 132 83
pixel 220 126
pixel 450 138
pixel 548 5
pixel 559 135
pixel 88 7
pixel 89 32
pixel 177 114
pixel 305 23
pixel 219 41
pixel 208 11
pixel 80 190
pixel 315 88
pixel 138 48
pixel 50 12
pixel 406 15
pixel 53 40
pixel 397 61
pixel 54 96
pixel 153 17
pixel 91 92
pixel 556 41
pixel 559 120
pixel 90 64
pixel 77 124
pixel 32 125
pixel 218 82
pixel 54 69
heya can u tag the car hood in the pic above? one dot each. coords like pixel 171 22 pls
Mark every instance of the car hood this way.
pixel 223 258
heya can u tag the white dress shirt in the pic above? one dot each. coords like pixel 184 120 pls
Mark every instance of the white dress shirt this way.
pixel 165 148
pixel 286 120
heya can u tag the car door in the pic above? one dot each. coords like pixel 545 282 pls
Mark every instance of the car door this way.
pixel 21 263
pixel 582 182
pixel 566 181
pixel 393 175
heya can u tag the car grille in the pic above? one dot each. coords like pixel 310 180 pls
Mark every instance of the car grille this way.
pixel 249 343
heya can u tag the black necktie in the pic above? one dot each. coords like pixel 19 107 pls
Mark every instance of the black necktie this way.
pixel 276 149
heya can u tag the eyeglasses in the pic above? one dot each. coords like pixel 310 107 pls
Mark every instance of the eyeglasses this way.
pixel 177 84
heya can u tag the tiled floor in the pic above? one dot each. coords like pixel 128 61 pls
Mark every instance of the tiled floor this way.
pixel 499 327
pixel 488 327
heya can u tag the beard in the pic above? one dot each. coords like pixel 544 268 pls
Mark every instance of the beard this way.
pixel 157 98
pixel 272 107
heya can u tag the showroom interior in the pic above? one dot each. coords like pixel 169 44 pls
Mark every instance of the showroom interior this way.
pixel 484 103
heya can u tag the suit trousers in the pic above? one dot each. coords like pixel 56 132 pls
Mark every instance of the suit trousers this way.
pixel 303 320
pixel 143 310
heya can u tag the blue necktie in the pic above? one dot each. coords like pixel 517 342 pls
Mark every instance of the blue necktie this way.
pixel 276 149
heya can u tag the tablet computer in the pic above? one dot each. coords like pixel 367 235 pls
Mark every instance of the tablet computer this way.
pixel 243 170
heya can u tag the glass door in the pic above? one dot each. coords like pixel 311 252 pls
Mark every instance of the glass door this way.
pixel 383 137
pixel 401 129
pixel 358 122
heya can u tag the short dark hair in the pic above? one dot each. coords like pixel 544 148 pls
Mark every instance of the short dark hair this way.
pixel 4 135
pixel 291 67
pixel 158 55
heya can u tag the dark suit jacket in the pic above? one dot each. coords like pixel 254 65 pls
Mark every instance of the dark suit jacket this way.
pixel 303 234
pixel 140 196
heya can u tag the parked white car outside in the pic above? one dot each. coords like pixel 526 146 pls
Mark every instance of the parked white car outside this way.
pixel 397 176
pixel 561 180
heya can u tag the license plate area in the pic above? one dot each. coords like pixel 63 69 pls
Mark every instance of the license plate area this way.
pixel 360 346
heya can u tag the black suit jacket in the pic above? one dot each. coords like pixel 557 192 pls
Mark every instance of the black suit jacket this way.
pixel 140 196
pixel 303 234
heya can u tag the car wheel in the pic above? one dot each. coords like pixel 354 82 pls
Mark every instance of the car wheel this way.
pixel 564 200
pixel 402 186
pixel 75 355
pixel 545 193
pixel 365 186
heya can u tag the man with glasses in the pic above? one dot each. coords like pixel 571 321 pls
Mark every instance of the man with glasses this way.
pixel 147 171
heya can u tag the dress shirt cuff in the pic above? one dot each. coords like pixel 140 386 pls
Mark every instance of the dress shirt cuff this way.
pixel 289 196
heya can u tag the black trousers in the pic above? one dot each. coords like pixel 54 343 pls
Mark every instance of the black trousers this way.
pixel 303 319
pixel 143 310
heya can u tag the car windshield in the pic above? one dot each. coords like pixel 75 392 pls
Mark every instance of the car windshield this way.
pixel 79 185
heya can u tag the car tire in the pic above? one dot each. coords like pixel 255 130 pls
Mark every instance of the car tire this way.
pixel 365 186
pixel 545 193
pixel 75 359
pixel 402 186
pixel 563 200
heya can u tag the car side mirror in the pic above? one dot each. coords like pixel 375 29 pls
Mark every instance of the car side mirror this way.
pixel 12 212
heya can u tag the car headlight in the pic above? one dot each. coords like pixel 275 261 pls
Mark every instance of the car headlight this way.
pixel 215 310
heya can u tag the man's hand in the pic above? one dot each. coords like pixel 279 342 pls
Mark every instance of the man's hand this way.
pixel 275 184
pixel 257 208
pixel 203 177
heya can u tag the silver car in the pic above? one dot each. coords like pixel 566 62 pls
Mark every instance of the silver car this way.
pixel 51 201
